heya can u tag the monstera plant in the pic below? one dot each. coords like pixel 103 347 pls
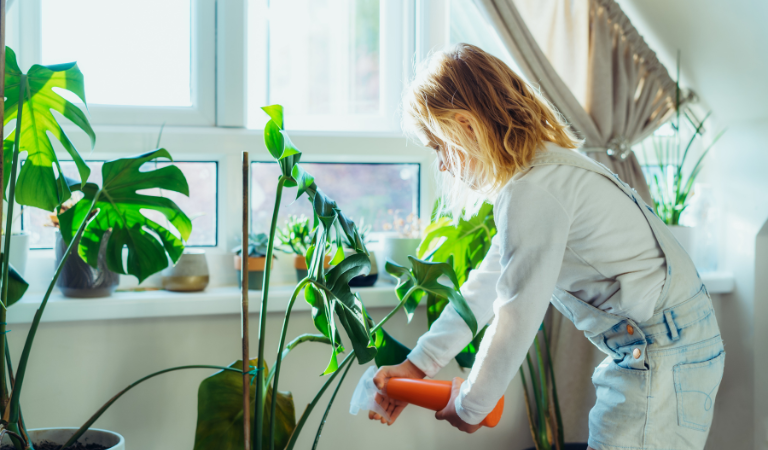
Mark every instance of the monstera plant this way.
pixel 273 423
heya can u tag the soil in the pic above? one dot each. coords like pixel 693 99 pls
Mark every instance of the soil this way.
pixel 48 445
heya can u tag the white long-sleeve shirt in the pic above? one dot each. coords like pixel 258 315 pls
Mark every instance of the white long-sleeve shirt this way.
pixel 558 226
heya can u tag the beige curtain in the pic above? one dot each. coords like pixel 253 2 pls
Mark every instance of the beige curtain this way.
pixel 590 62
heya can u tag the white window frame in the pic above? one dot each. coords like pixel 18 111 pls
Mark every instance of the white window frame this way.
pixel 28 21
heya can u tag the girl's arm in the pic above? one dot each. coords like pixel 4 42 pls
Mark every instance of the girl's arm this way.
pixel 449 334
pixel 533 229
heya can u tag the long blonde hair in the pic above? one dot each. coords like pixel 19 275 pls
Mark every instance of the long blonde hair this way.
pixel 509 119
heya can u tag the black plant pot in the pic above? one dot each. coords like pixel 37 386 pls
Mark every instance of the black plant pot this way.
pixel 569 447
pixel 78 279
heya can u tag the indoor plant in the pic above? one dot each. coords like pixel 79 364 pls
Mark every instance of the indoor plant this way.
pixel 670 178
pixel 402 238
pixel 113 207
pixel 257 251
pixel 363 280
pixel 294 238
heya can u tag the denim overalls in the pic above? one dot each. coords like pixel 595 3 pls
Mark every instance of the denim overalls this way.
pixel 656 389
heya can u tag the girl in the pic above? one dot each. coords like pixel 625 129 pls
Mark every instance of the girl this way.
pixel 570 233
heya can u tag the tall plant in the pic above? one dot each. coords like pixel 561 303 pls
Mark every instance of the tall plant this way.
pixel 464 245
pixel 671 179
pixel 273 422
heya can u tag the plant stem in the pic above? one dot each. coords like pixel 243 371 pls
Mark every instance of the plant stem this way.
pixel 244 305
pixel 328 408
pixel 263 313
pixel 109 403
pixel 531 425
pixel 311 406
pixel 3 385
pixel 558 416
pixel 16 393
pixel 6 260
pixel 392 313
pixel 298 340
pixel 279 361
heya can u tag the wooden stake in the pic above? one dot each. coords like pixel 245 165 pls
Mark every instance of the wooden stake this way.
pixel 244 313
pixel 3 389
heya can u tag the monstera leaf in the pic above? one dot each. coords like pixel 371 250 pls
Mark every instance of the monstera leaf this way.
pixel 119 208
pixel 38 184
pixel 220 412
pixel 389 351
pixel 424 277
pixel 17 285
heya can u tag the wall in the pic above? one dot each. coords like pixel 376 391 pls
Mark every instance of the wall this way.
pixel 77 366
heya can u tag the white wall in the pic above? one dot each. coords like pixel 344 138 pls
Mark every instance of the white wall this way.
pixel 77 366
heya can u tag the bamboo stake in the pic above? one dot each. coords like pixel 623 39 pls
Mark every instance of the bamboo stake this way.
pixel 3 387
pixel 244 314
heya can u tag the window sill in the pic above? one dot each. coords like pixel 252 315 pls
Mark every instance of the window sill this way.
pixel 160 303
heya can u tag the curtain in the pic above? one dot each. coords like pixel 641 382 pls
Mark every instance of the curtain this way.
pixel 590 62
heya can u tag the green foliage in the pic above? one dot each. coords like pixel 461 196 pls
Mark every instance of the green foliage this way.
pixel 42 188
pixel 466 242
pixel 220 412
pixel 671 186
pixel 17 285
pixel 294 237
pixel 257 245
pixel 119 210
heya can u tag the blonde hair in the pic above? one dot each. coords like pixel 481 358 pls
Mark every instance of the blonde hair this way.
pixel 509 119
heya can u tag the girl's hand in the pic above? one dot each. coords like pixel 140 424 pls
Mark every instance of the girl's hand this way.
pixel 449 412
pixel 393 407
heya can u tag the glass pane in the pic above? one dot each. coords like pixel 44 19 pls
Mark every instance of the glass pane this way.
pixel 467 25
pixel 380 191
pixel 131 53
pixel 200 206
pixel 323 57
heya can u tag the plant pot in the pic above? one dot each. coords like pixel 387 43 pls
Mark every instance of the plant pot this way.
pixel 80 280
pixel 255 271
pixel 58 436
pixel 19 251
pixel 190 274
pixel 364 280
pixel 685 236
pixel 569 447
pixel 397 249
pixel 300 264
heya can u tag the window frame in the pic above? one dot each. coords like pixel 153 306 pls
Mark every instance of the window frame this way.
pixel 28 34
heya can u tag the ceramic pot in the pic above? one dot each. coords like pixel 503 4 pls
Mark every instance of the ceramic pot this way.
pixel 364 280
pixel 256 266
pixel 189 274
pixel 398 249
pixel 685 236
pixel 300 264
pixel 80 280
pixel 19 251
pixel 59 436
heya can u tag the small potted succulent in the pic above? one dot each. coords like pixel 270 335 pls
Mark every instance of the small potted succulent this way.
pixel 295 238
pixel 349 249
pixel 257 251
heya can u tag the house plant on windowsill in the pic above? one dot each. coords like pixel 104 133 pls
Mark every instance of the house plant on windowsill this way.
pixel 107 215
pixel 402 238
pixel 672 177
pixel 373 275
pixel 257 252
pixel 295 238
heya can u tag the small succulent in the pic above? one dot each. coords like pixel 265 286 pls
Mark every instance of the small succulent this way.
pixel 364 231
pixel 257 246
pixel 295 235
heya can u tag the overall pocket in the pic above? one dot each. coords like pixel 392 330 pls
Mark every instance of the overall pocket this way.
pixel 696 386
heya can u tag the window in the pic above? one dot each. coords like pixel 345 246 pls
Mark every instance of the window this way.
pixel 200 206
pixel 379 191
pixel 145 62
pixel 323 60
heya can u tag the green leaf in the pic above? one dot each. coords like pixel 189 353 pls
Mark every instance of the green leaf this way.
pixel 274 140
pixel 37 183
pixel 275 112
pixel 303 180
pixel 325 208
pixel 220 412
pixel 466 358
pixel 119 210
pixel 289 148
pixel 17 285
pixel 389 350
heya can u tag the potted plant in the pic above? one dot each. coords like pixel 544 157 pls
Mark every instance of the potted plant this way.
pixel 363 280
pixel 295 238
pixel 403 237
pixel 672 177
pixel 107 215
pixel 257 252
pixel 189 274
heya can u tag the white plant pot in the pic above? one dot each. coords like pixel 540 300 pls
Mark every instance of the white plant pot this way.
pixel 397 249
pixel 685 236
pixel 109 439
pixel 19 251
